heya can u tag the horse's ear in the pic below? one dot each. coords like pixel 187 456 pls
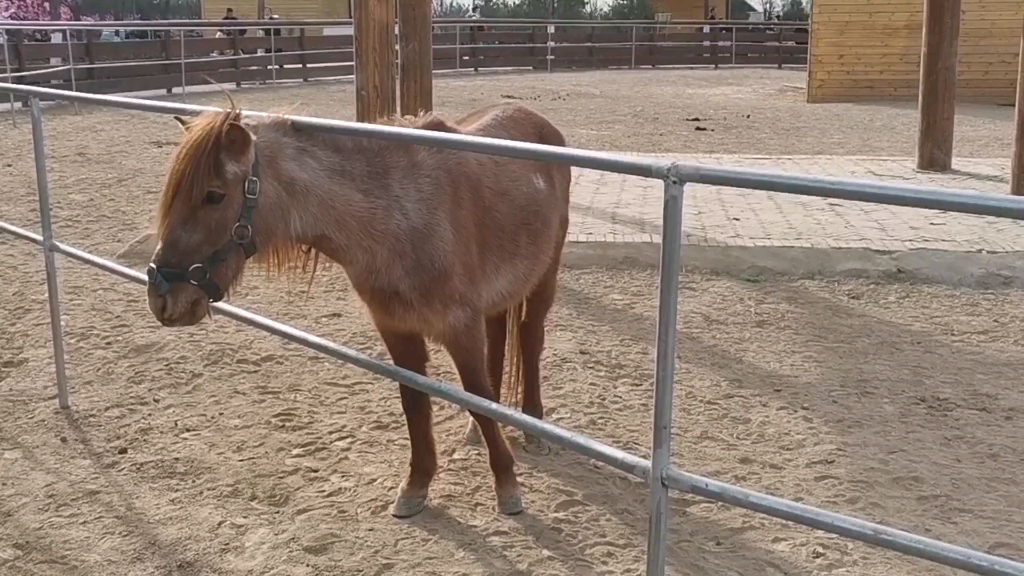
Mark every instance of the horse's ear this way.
pixel 236 141
pixel 182 122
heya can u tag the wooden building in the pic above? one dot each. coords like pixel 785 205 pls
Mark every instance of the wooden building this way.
pixel 286 9
pixel 863 50
pixel 699 9
pixel 692 9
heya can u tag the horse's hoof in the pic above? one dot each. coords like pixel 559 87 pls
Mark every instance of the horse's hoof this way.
pixel 473 435
pixel 536 445
pixel 408 506
pixel 510 505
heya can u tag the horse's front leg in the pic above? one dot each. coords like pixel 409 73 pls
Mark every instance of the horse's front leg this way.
pixel 409 351
pixel 465 344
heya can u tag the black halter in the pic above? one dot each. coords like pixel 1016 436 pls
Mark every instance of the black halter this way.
pixel 241 237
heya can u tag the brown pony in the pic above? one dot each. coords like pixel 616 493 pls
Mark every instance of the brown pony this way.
pixel 456 247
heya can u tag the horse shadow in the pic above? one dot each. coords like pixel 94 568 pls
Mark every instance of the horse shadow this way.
pixel 686 556
pixel 827 324
pixel 164 557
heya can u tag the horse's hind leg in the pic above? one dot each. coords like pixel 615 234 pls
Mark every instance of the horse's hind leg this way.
pixel 466 346
pixel 409 351
pixel 531 342
pixel 496 327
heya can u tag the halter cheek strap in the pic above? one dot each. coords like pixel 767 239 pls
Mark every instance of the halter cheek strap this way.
pixel 241 237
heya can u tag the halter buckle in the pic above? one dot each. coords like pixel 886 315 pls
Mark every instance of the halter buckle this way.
pixel 252 188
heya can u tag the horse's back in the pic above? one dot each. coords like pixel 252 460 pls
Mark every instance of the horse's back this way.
pixel 487 228
pixel 511 121
pixel 527 200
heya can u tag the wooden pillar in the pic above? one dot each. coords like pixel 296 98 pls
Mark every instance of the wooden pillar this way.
pixel 1017 161
pixel 937 90
pixel 416 55
pixel 374 36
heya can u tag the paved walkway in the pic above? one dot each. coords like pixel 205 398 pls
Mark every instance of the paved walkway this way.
pixel 614 208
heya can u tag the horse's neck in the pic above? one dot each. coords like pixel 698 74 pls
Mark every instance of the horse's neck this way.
pixel 320 192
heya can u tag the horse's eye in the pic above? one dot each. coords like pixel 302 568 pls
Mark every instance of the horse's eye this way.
pixel 213 197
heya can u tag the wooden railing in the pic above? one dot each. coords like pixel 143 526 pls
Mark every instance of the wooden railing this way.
pixel 180 61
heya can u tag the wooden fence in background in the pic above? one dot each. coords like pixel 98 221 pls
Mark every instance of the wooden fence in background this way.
pixel 143 65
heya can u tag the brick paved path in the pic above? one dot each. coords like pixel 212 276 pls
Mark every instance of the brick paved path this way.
pixel 614 208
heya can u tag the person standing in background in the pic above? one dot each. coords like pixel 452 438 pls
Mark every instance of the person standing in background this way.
pixel 229 14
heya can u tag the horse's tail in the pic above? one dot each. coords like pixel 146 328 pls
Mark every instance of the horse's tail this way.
pixel 514 318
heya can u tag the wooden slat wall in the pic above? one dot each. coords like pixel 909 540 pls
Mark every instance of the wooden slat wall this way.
pixel 690 9
pixel 863 50
pixel 286 9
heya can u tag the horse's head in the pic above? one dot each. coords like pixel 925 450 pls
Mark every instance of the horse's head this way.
pixel 205 218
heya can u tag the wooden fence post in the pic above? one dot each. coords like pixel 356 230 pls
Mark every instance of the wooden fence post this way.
pixel 90 73
pixel 782 35
pixel 1017 160
pixel 473 54
pixel 591 51
pixel 238 62
pixel 937 89
pixel 302 53
pixel 166 47
pixel 374 37
pixel 416 58
pixel 19 51
pixel 713 30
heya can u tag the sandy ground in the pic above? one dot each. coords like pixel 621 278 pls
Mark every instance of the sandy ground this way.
pixel 220 450
pixel 745 111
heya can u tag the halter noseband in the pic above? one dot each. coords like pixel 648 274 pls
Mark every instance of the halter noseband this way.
pixel 241 237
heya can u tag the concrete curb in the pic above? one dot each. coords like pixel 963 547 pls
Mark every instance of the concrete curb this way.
pixel 964 269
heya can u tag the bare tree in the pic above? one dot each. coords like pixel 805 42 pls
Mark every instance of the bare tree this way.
pixel 449 9
pixel 770 9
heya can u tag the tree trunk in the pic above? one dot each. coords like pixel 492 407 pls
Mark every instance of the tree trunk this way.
pixel 55 10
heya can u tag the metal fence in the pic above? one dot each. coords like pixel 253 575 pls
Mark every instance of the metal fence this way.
pixel 658 472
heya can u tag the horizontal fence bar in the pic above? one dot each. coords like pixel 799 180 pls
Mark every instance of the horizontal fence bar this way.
pixel 962 201
pixel 635 166
pixel 584 445
pixel 282 23
pixel 833 523
pixel 965 202
pixel 21 233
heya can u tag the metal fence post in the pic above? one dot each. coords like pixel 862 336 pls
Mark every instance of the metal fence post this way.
pixel 273 59
pixel 458 52
pixel 71 64
pixel 550 28
pixel 39 148
pixel 664 373
pixel 632 54
pixel 733 46
pixel 183 80
pixel 10 77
